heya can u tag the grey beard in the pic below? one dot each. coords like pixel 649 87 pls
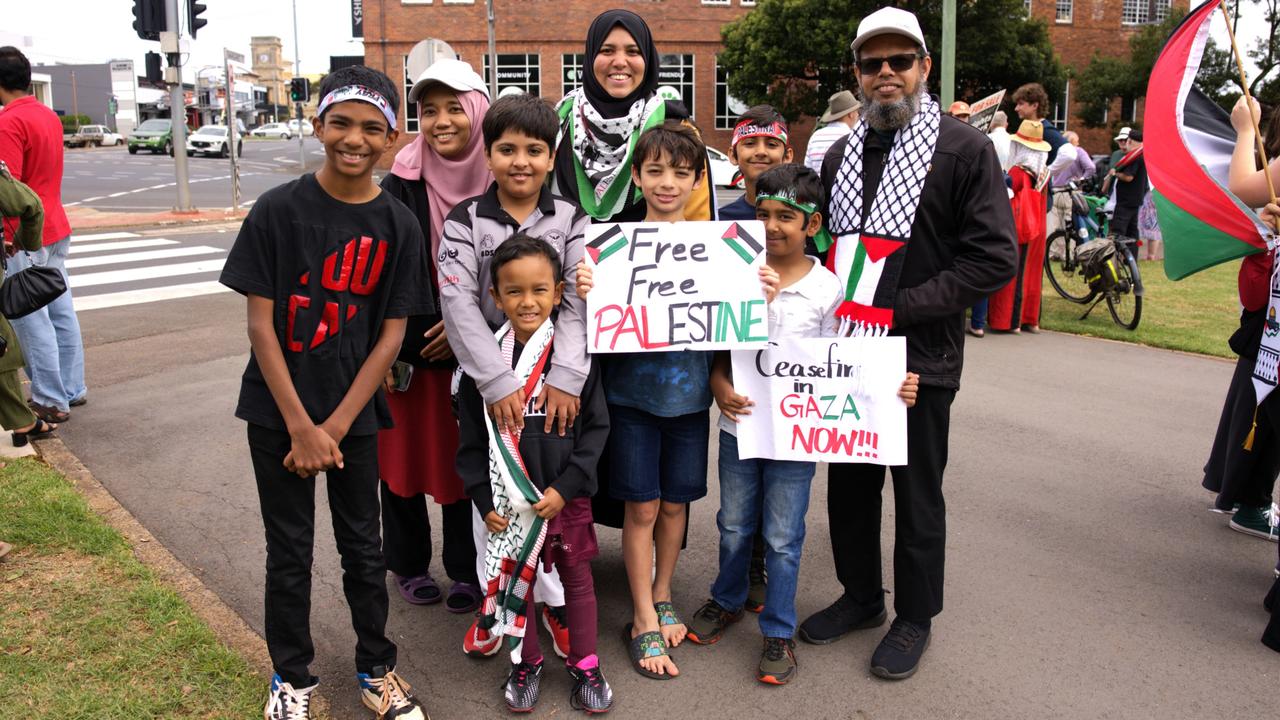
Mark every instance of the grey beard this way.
pixel 892 116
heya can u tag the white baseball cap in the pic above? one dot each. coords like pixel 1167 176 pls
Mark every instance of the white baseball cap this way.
pixel 451 73
pixel 1124 133
pixel 889 21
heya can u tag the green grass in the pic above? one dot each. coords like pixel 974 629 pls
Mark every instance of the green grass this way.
pixel 1196 314
pixel 87 631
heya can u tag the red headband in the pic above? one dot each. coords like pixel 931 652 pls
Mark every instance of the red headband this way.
pixel 749 128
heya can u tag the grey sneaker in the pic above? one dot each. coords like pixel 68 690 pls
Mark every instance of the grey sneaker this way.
pixel 523 686
pixel 777 661
pixel 710 622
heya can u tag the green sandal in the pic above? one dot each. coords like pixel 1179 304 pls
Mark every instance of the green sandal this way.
pixel 642 647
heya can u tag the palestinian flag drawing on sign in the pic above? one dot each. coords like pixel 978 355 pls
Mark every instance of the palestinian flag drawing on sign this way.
pixel 608 243
pixel 1188 152
pixel 741 242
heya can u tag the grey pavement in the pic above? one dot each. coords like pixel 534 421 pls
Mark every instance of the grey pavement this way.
pixel 1085 578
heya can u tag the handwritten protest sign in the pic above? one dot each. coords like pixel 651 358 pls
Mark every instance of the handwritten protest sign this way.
pixel 676 286
pixel 984 110
pixel 824 399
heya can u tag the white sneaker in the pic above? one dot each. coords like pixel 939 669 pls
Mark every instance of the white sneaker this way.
pixel 388 696
pixel 287 702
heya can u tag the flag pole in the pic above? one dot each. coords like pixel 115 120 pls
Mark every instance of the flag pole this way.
pixel 1244 85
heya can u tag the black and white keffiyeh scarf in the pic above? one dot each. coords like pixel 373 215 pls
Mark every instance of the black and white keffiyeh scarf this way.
pixel 868 258
pixel 602 149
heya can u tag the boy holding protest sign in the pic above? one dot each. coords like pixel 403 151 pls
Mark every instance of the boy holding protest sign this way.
pixel 759 143
pixel 659 406
pixel 772 493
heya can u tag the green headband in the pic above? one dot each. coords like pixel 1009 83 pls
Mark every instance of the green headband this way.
pixel 823 239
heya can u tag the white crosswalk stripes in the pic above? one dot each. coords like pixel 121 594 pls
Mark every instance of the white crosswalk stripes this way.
pixel 137 270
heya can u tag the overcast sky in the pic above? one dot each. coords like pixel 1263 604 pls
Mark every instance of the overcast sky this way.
pixel 89 31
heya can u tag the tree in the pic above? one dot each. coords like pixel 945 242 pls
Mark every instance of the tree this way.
pixel 792 54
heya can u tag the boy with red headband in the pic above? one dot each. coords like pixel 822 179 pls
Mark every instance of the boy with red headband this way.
pixel 760 141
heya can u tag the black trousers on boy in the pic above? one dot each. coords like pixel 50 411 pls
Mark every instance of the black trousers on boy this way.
pixel 406 537
pixel 854 512
pixel 288 514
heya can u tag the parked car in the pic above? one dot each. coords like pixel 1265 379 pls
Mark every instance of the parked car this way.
pixel 155 135
pixel 723 171
pixel 306 128
pixel 212 140
pixel 92 136
pixel 275 130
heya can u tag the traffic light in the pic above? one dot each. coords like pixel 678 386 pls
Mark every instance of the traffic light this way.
pixel 148 18
pixel 300 89
pixel 154 73
pixel 194 9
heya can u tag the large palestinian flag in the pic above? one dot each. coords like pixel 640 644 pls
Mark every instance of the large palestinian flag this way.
pixel 1202 223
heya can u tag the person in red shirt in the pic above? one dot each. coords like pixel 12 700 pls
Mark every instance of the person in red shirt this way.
pixel 31 145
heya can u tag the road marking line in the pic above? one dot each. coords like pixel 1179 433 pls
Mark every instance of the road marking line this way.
pixel 104 236
pixel 115 195
pixel 120 245
pixel 138 297
pixel 185 251
pixel 109 277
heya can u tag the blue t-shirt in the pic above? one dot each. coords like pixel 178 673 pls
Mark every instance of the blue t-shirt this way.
pixel 739 209
pixel 666 384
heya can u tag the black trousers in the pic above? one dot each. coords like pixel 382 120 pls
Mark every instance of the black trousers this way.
pixel 288 514
pixel 854 512
pixel 406 537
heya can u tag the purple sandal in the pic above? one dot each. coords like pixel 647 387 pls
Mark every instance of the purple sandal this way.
pixel 463 597
pixel 418 590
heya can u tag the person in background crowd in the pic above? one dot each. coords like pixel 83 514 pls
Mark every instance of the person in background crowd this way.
pixel 1129 176
pixel 999 136
pixel 959 110
pixel 840 117
pixel 31 145
pixel 1016 306
pixel 1081 168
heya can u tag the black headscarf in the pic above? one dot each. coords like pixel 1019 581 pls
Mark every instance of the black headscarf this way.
pixel 607 105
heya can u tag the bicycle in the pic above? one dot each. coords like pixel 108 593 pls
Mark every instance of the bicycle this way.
pixel 1106 270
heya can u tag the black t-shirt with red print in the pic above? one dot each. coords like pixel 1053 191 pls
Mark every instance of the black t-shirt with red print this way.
pixel 335 272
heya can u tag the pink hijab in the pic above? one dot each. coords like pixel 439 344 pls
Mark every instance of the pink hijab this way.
pixel 449 180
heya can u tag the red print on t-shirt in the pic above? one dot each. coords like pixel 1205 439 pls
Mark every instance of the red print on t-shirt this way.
pixel 358 271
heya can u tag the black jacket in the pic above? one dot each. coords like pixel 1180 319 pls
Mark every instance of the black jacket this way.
pixel 413 193
pixel 963 245
pixel 567 463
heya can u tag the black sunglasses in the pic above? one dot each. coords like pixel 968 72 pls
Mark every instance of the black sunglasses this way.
pixel 897 63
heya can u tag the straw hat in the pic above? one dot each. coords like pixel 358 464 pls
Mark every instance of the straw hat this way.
pixel 1031 134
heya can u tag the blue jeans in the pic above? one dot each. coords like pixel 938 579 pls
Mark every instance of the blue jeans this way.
pixel 50 336
pixel 778 492
pixel 652 457
pixel 979 319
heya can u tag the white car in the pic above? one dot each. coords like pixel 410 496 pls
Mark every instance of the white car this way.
pixel 212 140
pixel 306 127
pixel 723 171
pixel 275 130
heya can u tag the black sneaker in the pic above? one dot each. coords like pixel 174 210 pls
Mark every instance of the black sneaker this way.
pixel 899 653
pixel 841 617
pixel 591 692
pixel 777 661
pixel 522 687
pixel 710 622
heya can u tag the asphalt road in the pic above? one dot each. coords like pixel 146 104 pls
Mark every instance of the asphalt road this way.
pixel 1086 578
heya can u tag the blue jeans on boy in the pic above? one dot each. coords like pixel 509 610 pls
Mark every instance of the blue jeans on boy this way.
pixel 776 491
pixel 50 336
pixel 978 320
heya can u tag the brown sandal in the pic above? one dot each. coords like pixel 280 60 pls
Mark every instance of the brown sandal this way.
pixel 48 414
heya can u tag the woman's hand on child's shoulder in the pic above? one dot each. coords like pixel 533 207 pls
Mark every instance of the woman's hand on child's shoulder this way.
pixel 910 389
pixel 583 279
pixel 494 522
pixel 550 505
pixel 770 281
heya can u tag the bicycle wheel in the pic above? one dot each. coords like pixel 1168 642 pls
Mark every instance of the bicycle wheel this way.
pixel 1124 304
pixel 1063 270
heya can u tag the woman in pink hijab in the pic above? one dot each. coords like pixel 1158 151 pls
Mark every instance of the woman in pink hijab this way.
pixel 444 165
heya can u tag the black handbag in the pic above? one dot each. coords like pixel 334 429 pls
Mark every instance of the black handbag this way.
pixel 30 289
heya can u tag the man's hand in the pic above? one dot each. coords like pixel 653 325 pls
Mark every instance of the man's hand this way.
pixel 910 389
pixel 584 281
pixel 550 505
pixel 770 281
pixel 495 522
pixel 437 348
pixel 311 451
pixel 731 404
pixel 509 412
pixel 1271 215
pixel 560 406
pixel 389 382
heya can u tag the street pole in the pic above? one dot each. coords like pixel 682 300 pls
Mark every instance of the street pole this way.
pixel 493 53
pixel 231 130
pixel 178 115
pixel 297 71
pixel 948 89
pixel 75 101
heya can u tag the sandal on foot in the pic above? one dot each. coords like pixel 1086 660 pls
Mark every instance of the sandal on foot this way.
pixel 48 414
pixel 666 614
pixel 39 431
pixel 642 647
pixel 419 590
pixel 464 597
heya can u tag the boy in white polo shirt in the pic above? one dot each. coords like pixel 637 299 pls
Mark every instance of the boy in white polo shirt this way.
pixel 787 201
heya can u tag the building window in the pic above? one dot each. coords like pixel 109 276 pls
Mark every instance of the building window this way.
pixel 1062 109
pixel 415 2
pixel 410 109
pixel 571 71
pixel 715 2
pixel 677 71
pixel 1063 12
pixel 1161 8
pixel 1138 12
pixel 1026 5
pixel 459 2
pixel 1128 109
pixel 728 107
pixel 747 3
pixel 517 70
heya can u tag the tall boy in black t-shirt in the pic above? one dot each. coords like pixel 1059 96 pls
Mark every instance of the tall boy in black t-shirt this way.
pixel 331 266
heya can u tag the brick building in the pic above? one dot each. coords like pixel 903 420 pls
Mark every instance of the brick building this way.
pixel 540 43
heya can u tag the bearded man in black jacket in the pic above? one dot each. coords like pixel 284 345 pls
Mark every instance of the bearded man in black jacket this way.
pixel 918 206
